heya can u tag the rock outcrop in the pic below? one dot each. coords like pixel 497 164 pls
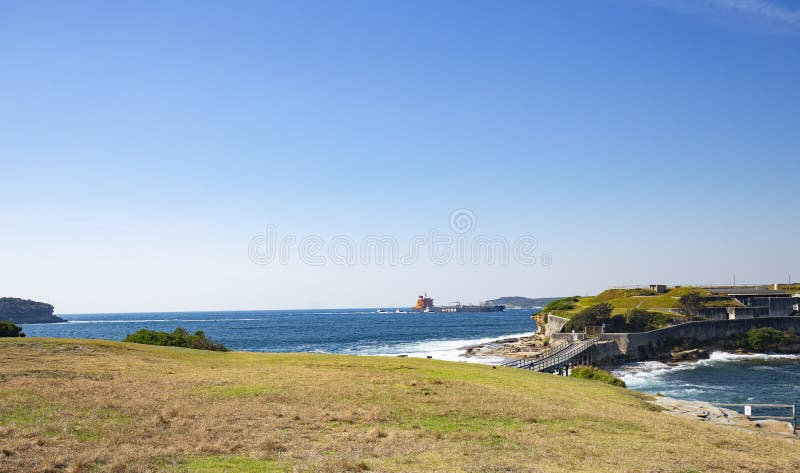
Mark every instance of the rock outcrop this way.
pixel 21 311
pixel 705 412
pixel 689 355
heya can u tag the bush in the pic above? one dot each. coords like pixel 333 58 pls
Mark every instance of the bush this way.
pixel 635 320
pixel 180 337
pixel 596 374
pixel 759 339
pixel 9 329
pixel 594 315
pixel 566 303
pixel 640 320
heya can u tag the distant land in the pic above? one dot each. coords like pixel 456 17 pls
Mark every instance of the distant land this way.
pixel 22 311
pixel 517 302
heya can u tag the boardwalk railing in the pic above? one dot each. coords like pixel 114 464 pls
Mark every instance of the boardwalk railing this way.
pixel 558 357
pixel 539 356
pixel 747 408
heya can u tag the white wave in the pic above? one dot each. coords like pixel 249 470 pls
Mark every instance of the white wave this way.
pixel 135 321
pixel 725 356
pixel 649 375
pixel 448 350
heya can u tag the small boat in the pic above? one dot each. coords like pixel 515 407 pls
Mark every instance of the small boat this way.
pixel 380 311
pixel 427 310
pixel 399 311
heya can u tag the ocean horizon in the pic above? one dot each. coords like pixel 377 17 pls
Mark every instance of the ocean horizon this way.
pixel 723 378
pixel 359 331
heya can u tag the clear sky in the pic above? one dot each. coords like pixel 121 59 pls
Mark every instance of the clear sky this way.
pixel 144 145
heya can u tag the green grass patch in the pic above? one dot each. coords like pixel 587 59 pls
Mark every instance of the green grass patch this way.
pixel 459 422
pixel 22 409
pixel 230 464
pixel 236 391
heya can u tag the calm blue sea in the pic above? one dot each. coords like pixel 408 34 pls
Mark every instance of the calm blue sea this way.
pixel 348 331
pixel 724 377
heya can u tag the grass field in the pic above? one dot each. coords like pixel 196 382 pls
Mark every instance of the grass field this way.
pixel 624 300
pixel 80 405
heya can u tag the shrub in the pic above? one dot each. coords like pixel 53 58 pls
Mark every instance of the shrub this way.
pixel 9 329
pixel 635 320
pixel 180 337
pixel 596 374
pixel 760 339
pixel 566 303
pixel 639 320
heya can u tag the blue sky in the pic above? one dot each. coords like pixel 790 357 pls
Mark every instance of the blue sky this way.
pixel 144 144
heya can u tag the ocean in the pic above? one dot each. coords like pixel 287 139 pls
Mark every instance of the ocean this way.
pixel 724 378
pixel 346 331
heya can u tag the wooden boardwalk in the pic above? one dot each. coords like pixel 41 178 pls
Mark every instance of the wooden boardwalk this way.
pixel 560 357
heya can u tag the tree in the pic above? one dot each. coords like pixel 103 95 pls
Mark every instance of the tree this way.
pixel 594 315
pixel 691 303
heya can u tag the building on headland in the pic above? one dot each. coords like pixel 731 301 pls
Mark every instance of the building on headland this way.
pixel 659 288
pixel 752 303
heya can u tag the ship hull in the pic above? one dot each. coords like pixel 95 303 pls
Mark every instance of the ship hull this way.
pixel 471 308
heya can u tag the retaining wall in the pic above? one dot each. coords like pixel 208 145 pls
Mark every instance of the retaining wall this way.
pixel 645 345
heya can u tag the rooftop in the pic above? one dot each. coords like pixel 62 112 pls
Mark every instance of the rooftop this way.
pixel 747 291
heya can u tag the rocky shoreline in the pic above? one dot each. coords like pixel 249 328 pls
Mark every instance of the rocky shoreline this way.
pixel 521 347
pixel 511 348
pixel 536 343
pixel 706 412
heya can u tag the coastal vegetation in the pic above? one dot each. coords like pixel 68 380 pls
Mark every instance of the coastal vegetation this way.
pixel 757 340
pixel 94 405
pixel 9 329
pixel 623 300
pixel 561 305
pixel 634 320
pixel 636 309
pixel 180 337
pixel 596 374
pixel 762 339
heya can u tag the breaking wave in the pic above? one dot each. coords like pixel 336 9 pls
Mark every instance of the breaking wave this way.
pixel 449 350
pixel 723 377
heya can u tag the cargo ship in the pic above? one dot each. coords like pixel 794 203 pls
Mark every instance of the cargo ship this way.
pixel 425 304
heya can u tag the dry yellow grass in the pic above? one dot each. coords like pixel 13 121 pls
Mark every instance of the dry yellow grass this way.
pixel 80 405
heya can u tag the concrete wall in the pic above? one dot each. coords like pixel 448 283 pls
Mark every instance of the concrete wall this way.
pixel 566 337
pixel 765 307
pixel 747 312
pixel 715 313
pixel 781 306
pixel 639 346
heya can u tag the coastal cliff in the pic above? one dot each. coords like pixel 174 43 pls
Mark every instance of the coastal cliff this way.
pixel 22 311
